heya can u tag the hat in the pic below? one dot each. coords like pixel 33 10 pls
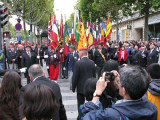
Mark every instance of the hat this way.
pixel 33 44
pixel 83 49
pixel 17 43
pixel 28 46
pixel 72 46
pixel 39 45
pixel 22 44
pixel 11 43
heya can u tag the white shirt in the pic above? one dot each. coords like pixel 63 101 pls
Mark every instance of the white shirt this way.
pixel 122 55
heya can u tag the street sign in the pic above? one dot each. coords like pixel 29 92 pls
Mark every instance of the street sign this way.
pixel 18 26
pixel 19 33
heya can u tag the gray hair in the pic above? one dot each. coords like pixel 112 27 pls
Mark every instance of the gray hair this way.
pixel 135 80
pixel 35 71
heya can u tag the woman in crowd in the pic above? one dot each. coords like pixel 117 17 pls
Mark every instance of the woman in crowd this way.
pixel 39 103
pixel 122 56
pixel 9 96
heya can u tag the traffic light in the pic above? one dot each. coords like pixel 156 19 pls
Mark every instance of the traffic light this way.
pixel 3 16
pixel 6 34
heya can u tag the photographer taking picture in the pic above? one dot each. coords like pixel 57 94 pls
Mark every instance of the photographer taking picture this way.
pixel 133 82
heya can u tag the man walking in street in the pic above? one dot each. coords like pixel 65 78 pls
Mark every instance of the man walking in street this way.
pixel 83 69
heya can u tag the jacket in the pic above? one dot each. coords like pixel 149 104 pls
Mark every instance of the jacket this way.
pixel 152 57
pixel 83 69
pixel 133 110
pixel 125 55
pixel 153 94
pixel 71 59
pixel 61 115
pixel 11 55
pixel 1 56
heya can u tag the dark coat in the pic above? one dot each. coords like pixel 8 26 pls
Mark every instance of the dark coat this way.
pixel 61 115
pixel 19 53
pixel 136 57
pixel 143 59
pixel 11 55
pixel 99 61
pixel 83 69
pixel 47 52
pixel 27 61
pixel 91 54
pixel 152 57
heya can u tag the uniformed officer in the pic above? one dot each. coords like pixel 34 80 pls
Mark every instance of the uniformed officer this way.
pixel 12 57
pixel 100 58
pixel 72 57
pixel 40 53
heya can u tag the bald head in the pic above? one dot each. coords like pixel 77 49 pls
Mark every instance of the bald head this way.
pixel 35 71
pixel 83 53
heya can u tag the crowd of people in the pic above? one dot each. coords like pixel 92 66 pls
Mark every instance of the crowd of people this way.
pixel 131 92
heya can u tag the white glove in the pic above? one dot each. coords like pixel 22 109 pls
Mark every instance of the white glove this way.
pixel 55 56
pixel 38 57
pixel 47 67
pixel 23 70
pixel 46 56
pixel 75 58
pixel 64 68
pixel 95 65
pixel 61 50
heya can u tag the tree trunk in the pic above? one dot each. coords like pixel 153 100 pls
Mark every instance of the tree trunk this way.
pixel 117 30
pixel 24 23
pixel 146 27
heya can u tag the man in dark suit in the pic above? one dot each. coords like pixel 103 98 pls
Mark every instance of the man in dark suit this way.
pixel 12 57
pixel 91 52
pixel 152 55
pixel 100 58
pixel 83 69
pixel 36 75
pixel 143 56
pixel 20 51
pixel 28 59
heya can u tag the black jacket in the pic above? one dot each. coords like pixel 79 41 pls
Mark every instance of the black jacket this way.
pixel 61 115
pixel 83 69
pixel 27 61
pixel 19 53
pixel 143 59
pixel 152 57
pixel 11 55
pixel 98 58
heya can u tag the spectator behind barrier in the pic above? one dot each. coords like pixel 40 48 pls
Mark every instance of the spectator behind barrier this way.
pixel 39 103
pixel 153 93
pixel 9 96
pixel 133 83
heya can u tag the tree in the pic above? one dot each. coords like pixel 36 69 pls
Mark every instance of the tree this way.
pixel 70 20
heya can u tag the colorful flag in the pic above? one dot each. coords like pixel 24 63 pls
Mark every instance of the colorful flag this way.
pixel 65 40
pixel 61 34
pixel 49 29
pixel 72 34
pixel 87 31
pixel 54 35
pixel 90 40
pixel 77 33
pixel 94 34
pixel 109 28
pixel 82 41
pixel 102 35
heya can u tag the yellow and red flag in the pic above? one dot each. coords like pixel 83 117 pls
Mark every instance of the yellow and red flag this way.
pixel 109 28
pixel 83 40
pixel 61 34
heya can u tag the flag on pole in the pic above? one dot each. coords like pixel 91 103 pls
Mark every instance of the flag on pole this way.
pixel 61 34
pixel 109 28
pixel 65 40
pixel 90 40
pixel 102 35
pixel 82 41
pixel 94 34
pixel 72 34
pixel 54 35
pixel 49 29
pixel 87 31
pixel 77 32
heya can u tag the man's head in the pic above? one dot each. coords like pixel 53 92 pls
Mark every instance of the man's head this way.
pixel 83 52
pixel 20 47
pixel 33 46
pixel 152 46
pixel 154 71
pixel 39 46
pixel 35 71
pixel 71 48
pixel 134 82
pixel 11 45
pixel 136 48
pixel 28 49
pixel 100 46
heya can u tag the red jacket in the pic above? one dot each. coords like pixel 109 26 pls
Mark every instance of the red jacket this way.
pixel 125 55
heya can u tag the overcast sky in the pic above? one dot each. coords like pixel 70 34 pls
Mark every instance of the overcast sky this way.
pixel 66 7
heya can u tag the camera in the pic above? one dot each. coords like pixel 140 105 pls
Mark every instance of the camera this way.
pixel 109 76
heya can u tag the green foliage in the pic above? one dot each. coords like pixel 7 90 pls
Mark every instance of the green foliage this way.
pixel 70 20
pixel 13 30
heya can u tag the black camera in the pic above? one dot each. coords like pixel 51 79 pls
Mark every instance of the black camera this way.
pixel 109 76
